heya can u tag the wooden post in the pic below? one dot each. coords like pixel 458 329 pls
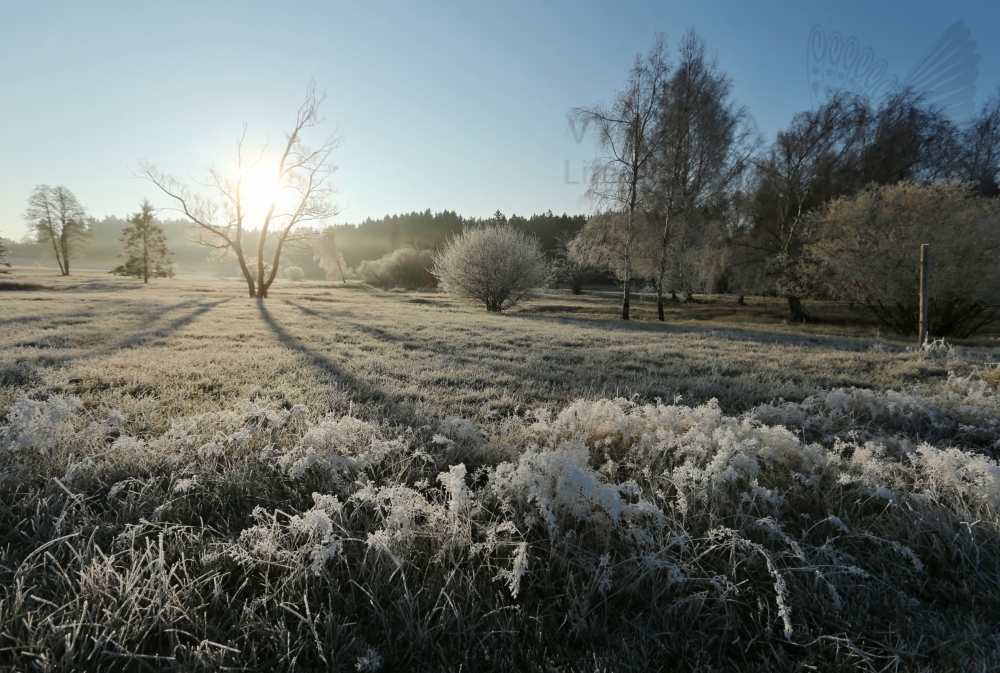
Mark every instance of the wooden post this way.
pixel 925 267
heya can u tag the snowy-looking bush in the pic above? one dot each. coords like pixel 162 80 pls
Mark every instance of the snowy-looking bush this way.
pixel 863 249
pixel 294 273
pixel 405 267
pixel 496 265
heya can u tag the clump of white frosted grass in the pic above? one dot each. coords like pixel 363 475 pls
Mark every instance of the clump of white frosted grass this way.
pixel 299 543
pixel 258 537
pixel 454 485
pixel 38 425
pixel 963 410
pixel 558 486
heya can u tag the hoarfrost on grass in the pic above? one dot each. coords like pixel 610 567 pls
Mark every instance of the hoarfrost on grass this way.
pixel 625 495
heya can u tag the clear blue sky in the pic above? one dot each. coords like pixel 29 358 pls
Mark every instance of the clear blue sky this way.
pixel 444 105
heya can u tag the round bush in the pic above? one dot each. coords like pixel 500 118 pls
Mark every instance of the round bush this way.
pixel 294 273
pixel 495 264
pixel 406 267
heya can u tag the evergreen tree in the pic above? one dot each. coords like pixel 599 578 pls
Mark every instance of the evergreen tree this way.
pixel 145 247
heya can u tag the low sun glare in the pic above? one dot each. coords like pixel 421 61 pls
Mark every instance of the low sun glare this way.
pixel 259 188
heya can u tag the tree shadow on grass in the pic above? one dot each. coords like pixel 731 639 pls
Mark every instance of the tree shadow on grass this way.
pixel 568 373
pixel 583 376
pixel 727 333
pixel 23 371
pixel 370 330
pixel 382 404
pixel 79 317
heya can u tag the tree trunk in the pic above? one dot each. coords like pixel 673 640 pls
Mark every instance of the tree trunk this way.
pixel 263 286
pixel 739 301
pixel 577 286
pixel 55 249
pixel 626 298
pixel 238 249
pixel 65 253
pixel 661 279
pixel 796 312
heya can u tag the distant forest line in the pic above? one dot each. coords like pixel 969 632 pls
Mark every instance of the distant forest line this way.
pixel 368 240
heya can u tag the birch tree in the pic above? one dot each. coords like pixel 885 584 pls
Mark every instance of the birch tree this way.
pixel 814 160
pixel 705 144
pixel 628 137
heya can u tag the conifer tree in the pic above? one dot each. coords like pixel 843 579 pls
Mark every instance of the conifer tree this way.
pixel 145 247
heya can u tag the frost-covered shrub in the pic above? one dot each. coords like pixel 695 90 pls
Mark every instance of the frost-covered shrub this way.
pixel 406 267
pixel 863 247
pixel 496 265
pixel 294 273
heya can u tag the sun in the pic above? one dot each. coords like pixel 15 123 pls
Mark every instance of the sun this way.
pixel 259 188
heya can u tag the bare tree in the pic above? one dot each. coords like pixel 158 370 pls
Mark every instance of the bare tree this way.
pixel 495 264
pixel 628 136
pixel 706 142
pixel 906 138
pixel 738 266
pixel 326 252
pixel 980 152
pixel 146 249
pixel 57 218
pixel 816 159
pixel 836 151
pixel 302 195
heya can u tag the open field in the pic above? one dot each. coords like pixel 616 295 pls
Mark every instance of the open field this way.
pixel 341 478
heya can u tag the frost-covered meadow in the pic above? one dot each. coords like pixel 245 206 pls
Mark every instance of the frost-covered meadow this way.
pixel 341 478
